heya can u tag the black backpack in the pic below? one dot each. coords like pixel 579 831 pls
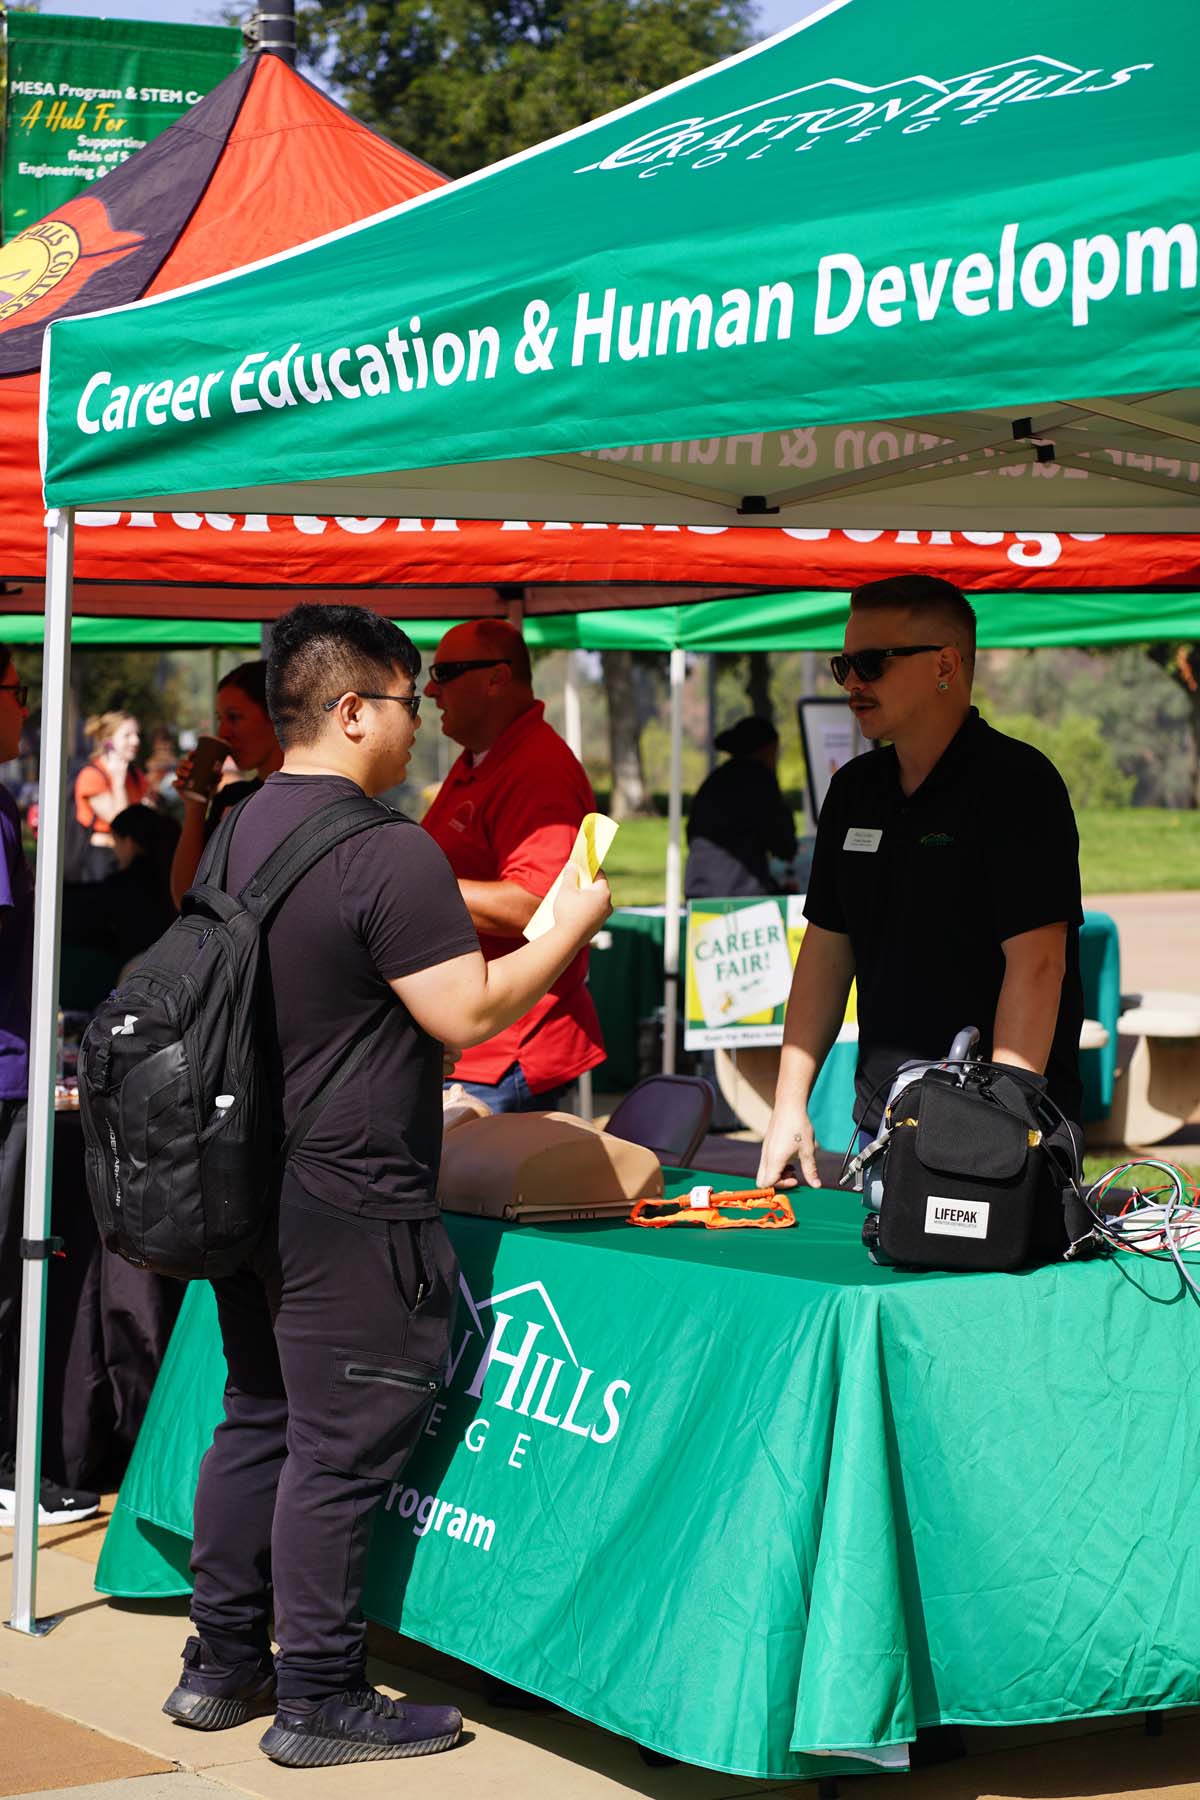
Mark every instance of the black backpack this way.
pixel 182 1163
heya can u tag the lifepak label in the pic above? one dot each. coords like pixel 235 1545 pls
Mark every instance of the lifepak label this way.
pixel 862 837
pixel 957 1218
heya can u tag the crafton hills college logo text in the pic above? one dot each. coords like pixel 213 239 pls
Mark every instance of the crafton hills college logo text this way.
pixel 836 109
pixel 514 1358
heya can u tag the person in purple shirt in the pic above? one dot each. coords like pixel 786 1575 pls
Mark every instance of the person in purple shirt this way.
pixel 56 1505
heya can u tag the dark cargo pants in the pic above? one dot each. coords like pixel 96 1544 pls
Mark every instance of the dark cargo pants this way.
pixel 336 1335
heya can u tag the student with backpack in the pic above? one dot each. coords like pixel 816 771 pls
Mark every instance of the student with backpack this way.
pixel 336 1324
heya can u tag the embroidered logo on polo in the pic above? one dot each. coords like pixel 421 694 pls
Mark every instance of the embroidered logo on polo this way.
pixel 936 840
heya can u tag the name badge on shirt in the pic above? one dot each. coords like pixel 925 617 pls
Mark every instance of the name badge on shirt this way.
pixel 862 837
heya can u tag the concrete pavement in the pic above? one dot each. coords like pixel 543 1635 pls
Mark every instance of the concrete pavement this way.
pixel 1160 938
pixel 80 1719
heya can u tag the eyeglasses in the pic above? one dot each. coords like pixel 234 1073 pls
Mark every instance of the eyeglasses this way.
pixel 412 701
pixel 442 672
pixel 19 689
pixel 870 665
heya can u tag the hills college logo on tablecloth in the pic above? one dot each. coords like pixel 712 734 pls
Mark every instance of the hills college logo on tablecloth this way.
pixel 512 1376
pixel 838 109
pixel 522 1366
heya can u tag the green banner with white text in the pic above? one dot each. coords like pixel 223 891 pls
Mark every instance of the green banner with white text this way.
pixel 82 95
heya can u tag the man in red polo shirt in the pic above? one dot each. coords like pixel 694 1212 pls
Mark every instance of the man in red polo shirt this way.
pixel 506 817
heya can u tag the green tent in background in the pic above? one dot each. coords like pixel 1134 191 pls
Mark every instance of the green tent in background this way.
pixel 802 621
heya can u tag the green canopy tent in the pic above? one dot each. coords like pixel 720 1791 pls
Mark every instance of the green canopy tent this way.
pixel 914 264
pixel 911 264
pixel 791 621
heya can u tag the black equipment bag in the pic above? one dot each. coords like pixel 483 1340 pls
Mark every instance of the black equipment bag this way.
pixel 967 1180
pixel 181 1155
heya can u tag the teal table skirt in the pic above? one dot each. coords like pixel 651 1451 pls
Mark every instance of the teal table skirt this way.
pixel 745 1498
pixel 626 983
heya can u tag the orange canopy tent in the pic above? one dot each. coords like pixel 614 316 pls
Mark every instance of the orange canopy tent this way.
pixel 266 162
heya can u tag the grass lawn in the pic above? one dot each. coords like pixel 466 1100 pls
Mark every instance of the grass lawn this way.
pixel 1122 850
pixel 1096 1166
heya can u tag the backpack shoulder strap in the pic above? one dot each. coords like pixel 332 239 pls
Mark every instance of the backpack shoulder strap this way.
pixel 304 848
pixel 213 867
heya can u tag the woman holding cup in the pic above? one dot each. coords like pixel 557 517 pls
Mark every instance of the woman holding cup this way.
pixel 244 733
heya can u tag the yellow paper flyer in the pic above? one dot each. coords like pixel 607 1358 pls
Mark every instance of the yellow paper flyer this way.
pixel 593 841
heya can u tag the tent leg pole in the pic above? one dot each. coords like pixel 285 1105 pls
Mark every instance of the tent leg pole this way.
pixel 573 733
pixel 674 894
pixel 572 708
pixel 43 1059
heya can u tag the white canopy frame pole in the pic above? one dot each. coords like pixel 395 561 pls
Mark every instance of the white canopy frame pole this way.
pixel 573 706
pixel 573 733
pixel 674 894
pixel 43 1059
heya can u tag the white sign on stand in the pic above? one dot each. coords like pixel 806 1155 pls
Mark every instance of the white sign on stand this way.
pixel 830 735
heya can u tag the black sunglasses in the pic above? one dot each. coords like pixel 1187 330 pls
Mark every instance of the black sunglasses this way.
pixel 412 701
pixel 870 665
pixel 19 688
pixel 442 672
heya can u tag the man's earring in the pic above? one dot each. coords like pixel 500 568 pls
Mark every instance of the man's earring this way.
pixel 942 686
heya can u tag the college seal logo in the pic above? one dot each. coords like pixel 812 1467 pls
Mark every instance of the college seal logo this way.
pixel 34 262
pixel 45 269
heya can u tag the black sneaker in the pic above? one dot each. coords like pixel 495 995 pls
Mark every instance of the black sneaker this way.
pixel 361 1727
pixel 56 1505
pixel 212 1696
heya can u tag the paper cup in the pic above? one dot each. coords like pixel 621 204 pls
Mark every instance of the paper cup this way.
pixel 207 759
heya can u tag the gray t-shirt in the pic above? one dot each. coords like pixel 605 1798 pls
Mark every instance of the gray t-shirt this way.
pixel 382 905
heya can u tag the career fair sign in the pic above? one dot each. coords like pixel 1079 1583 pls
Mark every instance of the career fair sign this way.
pixel 82 95
pixel 739 961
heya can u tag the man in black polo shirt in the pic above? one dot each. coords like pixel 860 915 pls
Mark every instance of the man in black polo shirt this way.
pixel 945 878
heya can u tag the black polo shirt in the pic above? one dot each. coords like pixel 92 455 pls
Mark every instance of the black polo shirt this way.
pixel 928 886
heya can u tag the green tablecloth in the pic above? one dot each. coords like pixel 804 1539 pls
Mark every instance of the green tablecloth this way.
pixel 626 982
pixel 742 1496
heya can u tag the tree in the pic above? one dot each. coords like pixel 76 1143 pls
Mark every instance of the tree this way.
pixel 629 797
pixel 758 684
pixel 1079 751
pixel 1143 718
pixel 1182 662
pixel 465 83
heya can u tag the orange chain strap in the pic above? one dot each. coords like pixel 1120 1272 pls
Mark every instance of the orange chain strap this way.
pixel 693 1211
